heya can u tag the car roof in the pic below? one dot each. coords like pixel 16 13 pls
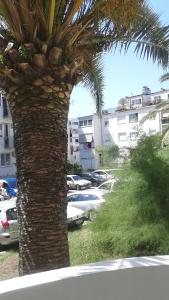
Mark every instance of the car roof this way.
pixel 7 204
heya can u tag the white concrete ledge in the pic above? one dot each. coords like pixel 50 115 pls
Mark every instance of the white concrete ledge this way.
pixel 142 278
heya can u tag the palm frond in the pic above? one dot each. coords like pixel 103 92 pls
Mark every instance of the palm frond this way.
pixel 164 105
pixel 51 15
pixel 93 81
pixel 164 77
pixel 152 39
pixel 164 135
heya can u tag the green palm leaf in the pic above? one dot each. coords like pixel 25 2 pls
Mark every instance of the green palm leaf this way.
pixel 164 77
pixel 93 81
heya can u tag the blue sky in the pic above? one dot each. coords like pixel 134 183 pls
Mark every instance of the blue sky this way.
pixel 124 75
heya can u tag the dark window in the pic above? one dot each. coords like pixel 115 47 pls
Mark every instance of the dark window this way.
pixel 5 159
pixel 89 145
pixel 81 123
pixel 85 123
pixel 133 118
pixel 136 101
pixel 89 122
pixel 76 140
pixel 11 214
pixel 106 123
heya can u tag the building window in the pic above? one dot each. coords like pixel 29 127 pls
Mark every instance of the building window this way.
pixel 71 150
pixel 122 136
pixel 13 154
pixel 1 130
pixel 121 119
pixel 136 101
pixel 157 99
pixel 106 123
pixel 70 140
pixel 69 122
pixel 133 118
pixel 75 123
pixel 107 138
pixel 75 131
pixel 152 131
pixel 85 123
pixel 81 123
pixel 5 159
pixel 70 133
pixel 76 140
pixel 89 122
pixel 133 136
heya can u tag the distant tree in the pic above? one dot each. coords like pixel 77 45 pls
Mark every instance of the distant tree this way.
pixel 108 154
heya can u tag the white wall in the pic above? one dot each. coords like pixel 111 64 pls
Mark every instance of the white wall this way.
pixel 143 278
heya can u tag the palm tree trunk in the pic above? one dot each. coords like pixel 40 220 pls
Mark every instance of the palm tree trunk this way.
pixel 40 133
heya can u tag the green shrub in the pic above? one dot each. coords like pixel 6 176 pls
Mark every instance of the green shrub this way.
pixel 73 168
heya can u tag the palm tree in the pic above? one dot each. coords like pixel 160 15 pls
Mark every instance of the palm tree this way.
pixel 47 47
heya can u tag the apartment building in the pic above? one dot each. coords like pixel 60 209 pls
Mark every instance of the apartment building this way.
pixel 7 153
pixel 121 126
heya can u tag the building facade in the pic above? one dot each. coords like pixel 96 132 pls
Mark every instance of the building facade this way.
pixel 7 153
pixel 121 126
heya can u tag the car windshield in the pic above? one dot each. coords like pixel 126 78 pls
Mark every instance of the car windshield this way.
pixel 76 177
pixel 95 175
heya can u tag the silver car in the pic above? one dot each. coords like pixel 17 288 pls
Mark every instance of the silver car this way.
pixel 88 201
pixel 8 222
pixel 9 225
pixel 77 182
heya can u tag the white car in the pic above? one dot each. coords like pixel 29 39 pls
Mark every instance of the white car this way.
pixel 75 216
pixel 104 174
pixel 107 185
pixel 8 222
pixel 86 200
pixel 78 183
pixel 9 232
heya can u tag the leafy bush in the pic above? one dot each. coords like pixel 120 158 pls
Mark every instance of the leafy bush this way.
pixel 134 220
pixel 73 168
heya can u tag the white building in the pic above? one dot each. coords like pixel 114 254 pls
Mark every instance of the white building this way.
pixel 121 126
pixel 7 154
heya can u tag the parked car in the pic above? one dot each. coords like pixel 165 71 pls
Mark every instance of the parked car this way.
pixel 77 182
pixel 107 185
pixel 103 174
pixel 87 201
pixel 9 224
pixel 94 178
pixel 75 216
